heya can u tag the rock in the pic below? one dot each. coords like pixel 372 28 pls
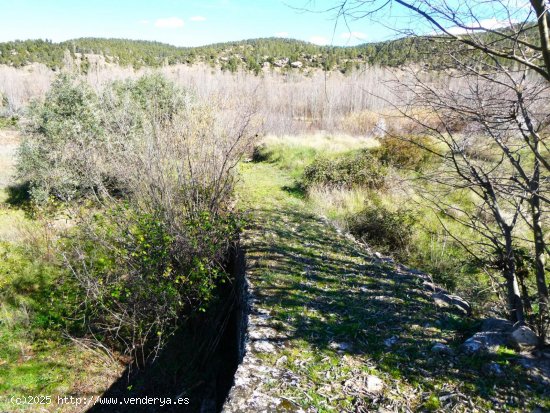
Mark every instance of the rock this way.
pixel 281 62
pixel 373 384
pixel 390 341
pixel 340 346
pixel 492 369
pixel 281 360
pixel 433 287
pixel 389 300
pixel 523 338
pixel 264 346
pixel 496 324
pixel 440 348
pixel 443 300
pixel 297 64
pixel 485 341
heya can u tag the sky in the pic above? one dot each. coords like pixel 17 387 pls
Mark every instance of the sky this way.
pixel 183 22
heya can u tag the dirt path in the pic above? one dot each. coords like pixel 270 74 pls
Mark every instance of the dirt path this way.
pixel 334 329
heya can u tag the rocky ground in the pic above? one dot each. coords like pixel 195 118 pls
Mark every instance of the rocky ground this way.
pixel 334 327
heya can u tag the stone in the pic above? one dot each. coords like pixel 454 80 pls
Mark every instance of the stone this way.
pixel 281 62
pixel 496 324
pixel 440 348
pixel 281 360
pixel 443 300
pixel 264 346
pixel 492 369
pixel 485 341
pixel 340 346
pixel 373 384
pixel 524 338
pixel 297 64
pixel 433 287
pixel 390 341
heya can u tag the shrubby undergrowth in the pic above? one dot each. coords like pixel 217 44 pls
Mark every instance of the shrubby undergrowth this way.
pixel 369 192
pixel 352 169
pixel 144 171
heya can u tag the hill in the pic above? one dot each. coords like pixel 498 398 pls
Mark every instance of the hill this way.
pixel 253 54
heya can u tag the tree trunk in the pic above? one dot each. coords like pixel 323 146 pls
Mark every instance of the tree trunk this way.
pixel 540 276
pixel 543 23
pixel 515 303
pixel 528 308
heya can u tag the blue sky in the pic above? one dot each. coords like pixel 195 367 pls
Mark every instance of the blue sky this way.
pixel 181 22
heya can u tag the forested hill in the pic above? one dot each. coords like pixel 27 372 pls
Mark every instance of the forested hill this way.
pixel 249 54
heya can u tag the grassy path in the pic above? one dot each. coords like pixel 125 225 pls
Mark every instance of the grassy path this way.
pixel 333 329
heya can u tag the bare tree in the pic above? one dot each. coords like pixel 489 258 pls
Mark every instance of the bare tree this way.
pixel 500 45
pixel 518 31
pixel 486 148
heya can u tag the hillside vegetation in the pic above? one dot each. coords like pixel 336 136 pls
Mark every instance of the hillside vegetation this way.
pixel 250 55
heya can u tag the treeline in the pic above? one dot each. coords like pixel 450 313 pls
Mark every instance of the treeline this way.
pixel 252 54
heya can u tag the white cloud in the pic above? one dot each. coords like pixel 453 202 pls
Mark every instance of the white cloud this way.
pixel 281 34
pixel 487 24
pixel 197 18
pixel 353 35
pixel 144 22
pixel 169 23
pixel 318 40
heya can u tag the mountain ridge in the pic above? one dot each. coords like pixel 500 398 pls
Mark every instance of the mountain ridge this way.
pixel 250 54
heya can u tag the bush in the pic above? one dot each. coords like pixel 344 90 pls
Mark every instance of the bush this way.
pixel 411 152
pixel 76 139
pixel 389 232
pixel 137 277
pixel 350 170
pixel 152 171
pixel 8 122
pixel 57 156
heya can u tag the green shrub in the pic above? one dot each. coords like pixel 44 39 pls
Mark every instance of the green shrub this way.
pixel 410 152
pixel 389 232
pixel 137 276
pixel 56 157
pixel 152 97
pixel 8 122
pixel 75 138
pixel 350 170
pixel 151 170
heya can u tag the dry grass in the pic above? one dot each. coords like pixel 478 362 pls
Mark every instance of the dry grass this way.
pixel 27 366
pixel 323 142
pixel 13 224
pixel 337 203
pixel 9 141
